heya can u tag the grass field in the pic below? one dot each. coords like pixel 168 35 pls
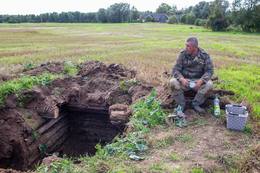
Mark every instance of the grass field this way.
pixel 151 49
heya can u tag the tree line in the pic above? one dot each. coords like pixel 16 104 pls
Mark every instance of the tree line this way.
pixel 219 15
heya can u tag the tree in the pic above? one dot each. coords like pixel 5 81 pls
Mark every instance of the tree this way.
pixel 134 14
pixel 163 8
pixel 246 13
pixel 102 15
pixel 201 10
pixel 119 12
pixel 173 10
pixel 217 20
pixel 172 20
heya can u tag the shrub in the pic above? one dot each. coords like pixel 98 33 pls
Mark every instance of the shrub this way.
pixel 172 20
pixel 200 22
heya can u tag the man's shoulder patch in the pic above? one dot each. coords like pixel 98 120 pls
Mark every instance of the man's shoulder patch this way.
pixel 183 51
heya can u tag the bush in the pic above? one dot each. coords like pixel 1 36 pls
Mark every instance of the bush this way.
pixel 234 28
pixel 149 19
pixel 217 24
pixel 200 22
pixel 190 18
pixel 172 20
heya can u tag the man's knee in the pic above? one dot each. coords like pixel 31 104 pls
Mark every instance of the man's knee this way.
pixel 175 84
pixel 206 87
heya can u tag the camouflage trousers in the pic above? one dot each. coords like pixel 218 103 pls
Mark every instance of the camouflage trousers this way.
pixel 178 92
pixel 176 86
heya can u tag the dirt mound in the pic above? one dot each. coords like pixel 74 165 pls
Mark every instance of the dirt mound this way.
pixel 42 122
pixel 52 67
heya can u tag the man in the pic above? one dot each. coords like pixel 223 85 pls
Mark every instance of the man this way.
pixel 193 64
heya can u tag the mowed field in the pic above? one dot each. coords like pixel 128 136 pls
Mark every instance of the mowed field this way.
pixel 149 48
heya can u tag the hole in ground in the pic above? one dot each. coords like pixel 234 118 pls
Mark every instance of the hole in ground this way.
pixel 86 128
pixel 76 132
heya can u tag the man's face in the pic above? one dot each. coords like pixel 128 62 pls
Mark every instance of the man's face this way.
pixel 190 48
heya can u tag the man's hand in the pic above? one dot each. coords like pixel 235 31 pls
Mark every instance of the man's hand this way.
pixel 184 82
pixel 198 84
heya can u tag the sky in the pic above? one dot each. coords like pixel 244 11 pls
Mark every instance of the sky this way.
pixel 44 6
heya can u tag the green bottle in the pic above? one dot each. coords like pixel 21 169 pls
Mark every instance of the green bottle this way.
pixel 216 106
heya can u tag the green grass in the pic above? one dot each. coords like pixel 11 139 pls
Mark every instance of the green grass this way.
pixel 26 82
pixel 175 157
pixel 245 82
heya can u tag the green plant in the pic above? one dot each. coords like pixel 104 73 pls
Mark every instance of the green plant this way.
pixel 43 149
pixel 197 170
pixel 26 82
pixel 248 129
pixel 35 135
pixel 124 85
pixel 133 143
pixel 70 68
pixel 175 157
pixel 185 138
pixel 60 166
pixel 157 167
pixel 28 66
pixel 165 142
pixel 149 111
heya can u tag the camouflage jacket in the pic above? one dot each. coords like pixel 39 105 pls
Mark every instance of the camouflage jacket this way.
pixel 199 67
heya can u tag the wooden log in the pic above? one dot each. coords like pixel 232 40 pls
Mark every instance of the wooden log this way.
pixel 34 149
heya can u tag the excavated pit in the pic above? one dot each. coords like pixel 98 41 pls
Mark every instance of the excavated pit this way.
pixel 86 129
pixel 69 116
pixel 74 133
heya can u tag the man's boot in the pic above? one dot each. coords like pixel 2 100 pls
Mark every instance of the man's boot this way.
pixel 179 99
pixel 197 101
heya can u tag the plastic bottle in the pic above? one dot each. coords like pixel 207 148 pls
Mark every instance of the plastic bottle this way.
pixel 216 107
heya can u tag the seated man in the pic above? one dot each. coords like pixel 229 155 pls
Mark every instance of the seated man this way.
pixel 192 71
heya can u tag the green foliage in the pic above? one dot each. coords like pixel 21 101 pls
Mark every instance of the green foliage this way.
pixel 217 20
pixel 35 135
pixel 172 20
pixel 133 143
pixel 188 18
pixel 60 166
pixel 185 138
pixel 175 157
pixel 149 19
pixel 28 66
pixel 246 14
pixel 26 82
pixel 248 129
pixel 165 142
pixel 149 111
pixel 163 8
pixel 200 22
pixel 124 85
pixel 197 170
pixel 43 149
pixel 70 68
